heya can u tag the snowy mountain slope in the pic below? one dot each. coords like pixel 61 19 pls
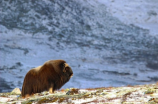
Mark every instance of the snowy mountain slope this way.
pixel 143 13
pixel 102 49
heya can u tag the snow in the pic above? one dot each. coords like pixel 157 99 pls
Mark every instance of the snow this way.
pixel 142 13
pixel 106 42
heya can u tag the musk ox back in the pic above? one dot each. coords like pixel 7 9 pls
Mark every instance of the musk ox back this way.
pixel 52 75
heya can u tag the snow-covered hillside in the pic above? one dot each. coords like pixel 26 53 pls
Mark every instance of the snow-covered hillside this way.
pixel 143 13
pixel 102 41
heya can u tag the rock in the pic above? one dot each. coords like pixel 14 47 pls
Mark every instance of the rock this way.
pixel 16 91
pixel 113 95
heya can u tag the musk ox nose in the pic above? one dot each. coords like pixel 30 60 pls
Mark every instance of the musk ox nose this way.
pixel 71 73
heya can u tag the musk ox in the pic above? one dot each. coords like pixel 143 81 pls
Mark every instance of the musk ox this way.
pixel 52 75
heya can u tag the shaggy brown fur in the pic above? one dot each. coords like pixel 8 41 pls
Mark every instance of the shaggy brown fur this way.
pixel 50 76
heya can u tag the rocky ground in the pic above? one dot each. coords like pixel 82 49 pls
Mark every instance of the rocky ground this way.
pixel 140 94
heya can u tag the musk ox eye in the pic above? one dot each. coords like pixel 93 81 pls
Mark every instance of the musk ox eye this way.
pixel 67 68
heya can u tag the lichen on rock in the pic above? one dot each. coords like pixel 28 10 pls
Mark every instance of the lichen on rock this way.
pixel 128 94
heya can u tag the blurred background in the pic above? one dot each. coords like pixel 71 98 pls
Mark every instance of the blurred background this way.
pixel 106 42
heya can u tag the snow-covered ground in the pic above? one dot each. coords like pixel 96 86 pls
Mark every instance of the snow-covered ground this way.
pixel 107 43
pixel 143 13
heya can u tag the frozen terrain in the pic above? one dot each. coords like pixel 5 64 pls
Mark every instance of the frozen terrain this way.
pixel 106 43
pixel 143 13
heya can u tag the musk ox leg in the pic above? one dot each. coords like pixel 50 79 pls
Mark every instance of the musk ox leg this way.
pixel 51 88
